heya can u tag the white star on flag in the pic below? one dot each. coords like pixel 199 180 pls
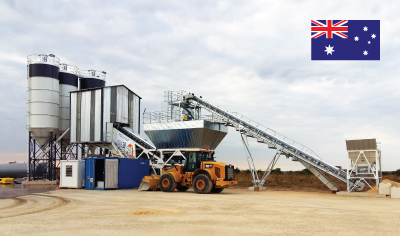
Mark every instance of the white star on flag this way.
pixel 356 38
pixel 329 50
pixel 369 42
pixel 365 28
pixel 365 52
pixel 373 36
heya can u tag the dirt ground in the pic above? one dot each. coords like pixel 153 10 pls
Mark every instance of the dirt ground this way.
pixel 233 212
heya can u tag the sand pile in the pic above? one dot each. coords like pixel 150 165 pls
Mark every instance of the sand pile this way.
pixel 373 191
pixel 392 183
pixel 385 181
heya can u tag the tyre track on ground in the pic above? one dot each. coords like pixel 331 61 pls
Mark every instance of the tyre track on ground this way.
pixel 59 202
pixel 17 202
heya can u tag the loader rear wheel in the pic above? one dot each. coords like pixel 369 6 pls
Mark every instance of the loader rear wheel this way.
pixel 181 188
pixel 202 184
pixel 217 190
pixel 167 183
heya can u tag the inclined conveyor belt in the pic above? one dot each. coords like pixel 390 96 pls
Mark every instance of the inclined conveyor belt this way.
pixel 271 139
pixel 131 134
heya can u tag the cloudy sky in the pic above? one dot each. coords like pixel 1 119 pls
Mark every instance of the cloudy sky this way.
pixel 253 57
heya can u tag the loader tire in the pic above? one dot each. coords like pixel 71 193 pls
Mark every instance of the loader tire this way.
pixel 167 183
pixel 217 190
pixel 181 188
pixel 202 184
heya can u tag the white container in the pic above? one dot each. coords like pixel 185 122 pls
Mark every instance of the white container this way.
pixel 72 174
pixel 68 77
pixel 43 97
pixel 93 112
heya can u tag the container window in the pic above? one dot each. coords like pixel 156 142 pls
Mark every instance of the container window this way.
pixel 68 171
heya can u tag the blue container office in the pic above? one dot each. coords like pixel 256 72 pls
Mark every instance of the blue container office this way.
pixel 112 173
pixel 131 172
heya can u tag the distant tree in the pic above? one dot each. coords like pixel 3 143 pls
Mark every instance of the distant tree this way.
pixel 247 171
pixel 277 171
pixel 237 170
pixel 304 172
pixel 397 172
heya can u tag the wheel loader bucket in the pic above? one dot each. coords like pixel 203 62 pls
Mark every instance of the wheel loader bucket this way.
pixel 149 182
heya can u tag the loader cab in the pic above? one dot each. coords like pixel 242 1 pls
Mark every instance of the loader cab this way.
pixel 194 159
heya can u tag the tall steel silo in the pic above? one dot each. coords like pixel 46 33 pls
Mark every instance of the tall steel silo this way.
pixel 92 79
pixel 43 97
pixel 68 78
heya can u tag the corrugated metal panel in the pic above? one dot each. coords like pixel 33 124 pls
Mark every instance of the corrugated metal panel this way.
pixel 85 116
pixel 136 114
pixel 361 144
pixel 106 110
pixel 72 132
pixel 186 134
pixel 122 105
pixel 113 105
pixel 111 173
pixel 78 116
pixel 130 109
pixel 92 113
pixel 97 126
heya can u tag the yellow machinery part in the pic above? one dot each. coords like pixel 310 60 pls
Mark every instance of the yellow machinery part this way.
pixel 6 180
pixel 149 182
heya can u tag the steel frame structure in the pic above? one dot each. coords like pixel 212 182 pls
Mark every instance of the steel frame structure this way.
pixel 274 140
pixel 374 171
pixel 44 162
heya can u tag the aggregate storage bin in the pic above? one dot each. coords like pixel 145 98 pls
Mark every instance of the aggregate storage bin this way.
pixel 101 173
pixel 131 172
pixel 72 174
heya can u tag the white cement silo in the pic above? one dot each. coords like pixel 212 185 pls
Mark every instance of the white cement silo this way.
pixel 91 79
pixel 68 78
pixel 43 97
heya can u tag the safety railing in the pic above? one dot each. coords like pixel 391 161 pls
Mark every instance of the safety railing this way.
pixel 48 59
pixel 70 69
pixel 93 74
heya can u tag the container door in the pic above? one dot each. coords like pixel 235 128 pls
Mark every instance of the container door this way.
pixel 89 173
pixel 111 173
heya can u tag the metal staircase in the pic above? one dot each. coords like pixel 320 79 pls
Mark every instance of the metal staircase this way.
pixel 274 140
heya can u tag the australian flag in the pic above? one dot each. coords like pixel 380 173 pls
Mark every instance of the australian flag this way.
pixel 345 40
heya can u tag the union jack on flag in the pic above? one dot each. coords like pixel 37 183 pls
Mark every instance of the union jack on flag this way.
pixel 345 40
pixel 319 28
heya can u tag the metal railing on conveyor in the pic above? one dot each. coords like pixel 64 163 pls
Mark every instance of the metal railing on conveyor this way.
pixel 131 134
pixel 273 140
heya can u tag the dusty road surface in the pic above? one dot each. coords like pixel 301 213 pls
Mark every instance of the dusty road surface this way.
pixel 233 212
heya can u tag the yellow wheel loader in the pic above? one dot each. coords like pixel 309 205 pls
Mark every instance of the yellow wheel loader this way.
pixel 199 171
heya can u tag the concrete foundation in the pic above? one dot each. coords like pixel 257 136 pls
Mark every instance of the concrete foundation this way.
pixel 355 194
pixel 395 192
pixel 257 188
pixel 385 188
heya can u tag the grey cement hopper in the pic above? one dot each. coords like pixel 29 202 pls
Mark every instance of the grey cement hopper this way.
pixel 186 134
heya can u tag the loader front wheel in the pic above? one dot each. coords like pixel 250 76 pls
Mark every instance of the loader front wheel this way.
pixel 202 184
pixel 167 183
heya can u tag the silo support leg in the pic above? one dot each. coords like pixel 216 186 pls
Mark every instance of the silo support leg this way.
pixel 328 183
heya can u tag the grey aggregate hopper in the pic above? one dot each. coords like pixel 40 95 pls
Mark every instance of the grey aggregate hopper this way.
pixel 94 111
pixel 186 134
